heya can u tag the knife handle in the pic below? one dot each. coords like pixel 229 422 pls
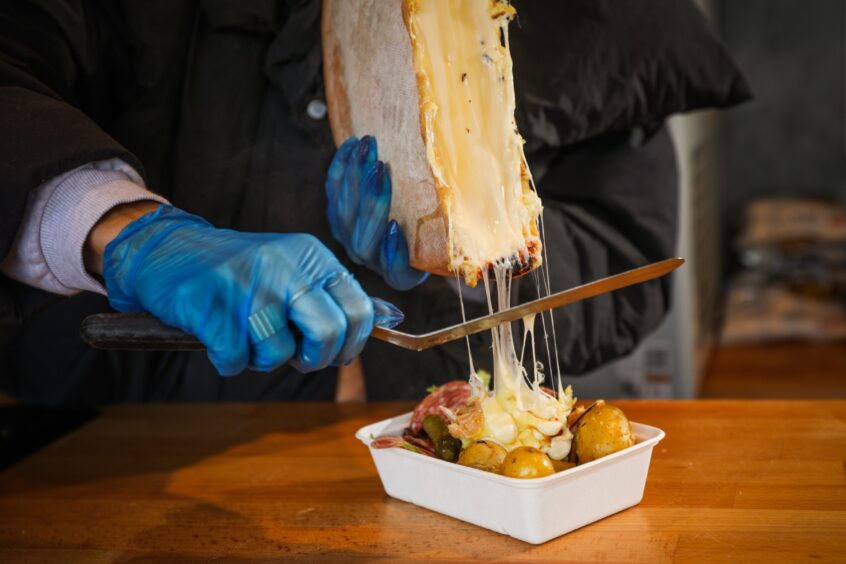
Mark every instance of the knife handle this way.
pixel 135 332
pixel 143 332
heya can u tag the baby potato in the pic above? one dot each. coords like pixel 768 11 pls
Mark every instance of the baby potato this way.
pixel 527 462
pixel 603 430
pixel 482 455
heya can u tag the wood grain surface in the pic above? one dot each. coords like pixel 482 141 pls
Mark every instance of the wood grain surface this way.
pixel 733 481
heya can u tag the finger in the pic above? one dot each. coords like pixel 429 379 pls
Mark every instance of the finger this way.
pixel 202 309
pixel 358 310
pixel 337 167
pixel 225 337
pixel 386 314
pixel 334 180
pixel 272 342
pixel 362 158
pixel 323 326
pixel 372 220
pixel 394 260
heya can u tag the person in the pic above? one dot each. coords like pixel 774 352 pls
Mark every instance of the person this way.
pixel 176 158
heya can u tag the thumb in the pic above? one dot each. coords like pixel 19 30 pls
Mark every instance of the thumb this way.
pixel 394 260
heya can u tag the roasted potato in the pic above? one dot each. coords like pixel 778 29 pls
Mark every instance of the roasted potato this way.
pixel 602 430
pixel 527 462
pixel 483 455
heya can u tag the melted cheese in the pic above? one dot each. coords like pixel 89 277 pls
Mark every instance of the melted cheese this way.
pixel 473 147
pixel 519 407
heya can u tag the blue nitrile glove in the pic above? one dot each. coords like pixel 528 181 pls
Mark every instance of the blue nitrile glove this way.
pixel 359 190
pixel 254 299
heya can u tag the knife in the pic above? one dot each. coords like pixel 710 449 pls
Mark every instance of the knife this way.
pixel 140 331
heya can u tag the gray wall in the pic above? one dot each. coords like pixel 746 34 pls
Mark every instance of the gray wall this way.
pixel 790 139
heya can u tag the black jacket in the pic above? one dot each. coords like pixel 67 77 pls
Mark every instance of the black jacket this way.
pixel 208 100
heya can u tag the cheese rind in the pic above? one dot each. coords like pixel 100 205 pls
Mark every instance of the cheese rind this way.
pixel 371 89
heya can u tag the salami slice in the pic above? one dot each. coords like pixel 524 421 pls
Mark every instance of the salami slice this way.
pixel 421 443
pixel 451 395
pixel 391 442
pixel 387 442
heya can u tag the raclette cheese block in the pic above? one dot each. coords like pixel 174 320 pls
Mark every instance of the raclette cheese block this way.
pixel 432 81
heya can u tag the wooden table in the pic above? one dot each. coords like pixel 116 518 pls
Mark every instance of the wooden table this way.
pixel 733 481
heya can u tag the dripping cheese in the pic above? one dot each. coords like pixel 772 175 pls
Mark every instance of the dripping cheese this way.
pixel 520 412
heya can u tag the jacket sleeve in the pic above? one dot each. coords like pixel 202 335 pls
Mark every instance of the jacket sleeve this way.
pixel 609 205
pixel 48 53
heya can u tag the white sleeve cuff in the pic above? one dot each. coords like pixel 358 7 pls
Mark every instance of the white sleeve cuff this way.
pixel 48 251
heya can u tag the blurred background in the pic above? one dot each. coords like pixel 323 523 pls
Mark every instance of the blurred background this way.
pixel 760 309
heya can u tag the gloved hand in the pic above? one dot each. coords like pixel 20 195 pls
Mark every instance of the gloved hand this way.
pixel 359 190
pixel 254 299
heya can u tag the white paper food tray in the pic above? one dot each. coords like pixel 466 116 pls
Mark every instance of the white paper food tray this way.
pixel 535 510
